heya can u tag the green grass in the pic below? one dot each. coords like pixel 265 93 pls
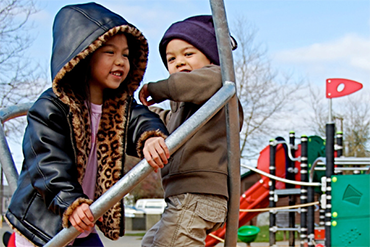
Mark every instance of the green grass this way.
pixel 139 234
pixel 263 235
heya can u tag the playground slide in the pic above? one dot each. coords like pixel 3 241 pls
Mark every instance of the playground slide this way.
pixel 258 195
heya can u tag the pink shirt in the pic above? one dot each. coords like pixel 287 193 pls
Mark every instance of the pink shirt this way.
pixel 89 180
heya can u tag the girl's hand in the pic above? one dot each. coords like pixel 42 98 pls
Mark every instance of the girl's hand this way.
pixel 82 219
pixel 156 152
pixel 143 96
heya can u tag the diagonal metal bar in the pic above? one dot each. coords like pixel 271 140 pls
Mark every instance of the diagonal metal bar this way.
pixel 142 169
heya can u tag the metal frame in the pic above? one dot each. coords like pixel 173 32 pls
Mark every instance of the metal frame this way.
pixel 6 159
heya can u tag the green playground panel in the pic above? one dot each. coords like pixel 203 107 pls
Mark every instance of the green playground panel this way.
pixel 316 148
pixel 350 210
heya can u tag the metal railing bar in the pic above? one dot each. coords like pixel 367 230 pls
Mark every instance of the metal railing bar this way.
pixel 14 111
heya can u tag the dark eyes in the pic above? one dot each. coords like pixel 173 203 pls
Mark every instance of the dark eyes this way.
pixel 112 52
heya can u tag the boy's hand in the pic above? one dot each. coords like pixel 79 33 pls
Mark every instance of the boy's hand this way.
pixel 144 94
pixel 82 218
pixel 156 152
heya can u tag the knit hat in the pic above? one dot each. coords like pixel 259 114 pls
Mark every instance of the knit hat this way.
pixel 199 31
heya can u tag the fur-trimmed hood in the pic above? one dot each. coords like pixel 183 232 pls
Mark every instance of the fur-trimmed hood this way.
pixel 79 30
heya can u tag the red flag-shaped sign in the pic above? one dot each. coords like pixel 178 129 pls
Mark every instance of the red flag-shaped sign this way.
pixel 336 87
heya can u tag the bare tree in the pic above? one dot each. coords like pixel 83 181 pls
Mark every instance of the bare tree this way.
pixel 356 132
pixel 351 115
pixel 266 96
pixel 21 79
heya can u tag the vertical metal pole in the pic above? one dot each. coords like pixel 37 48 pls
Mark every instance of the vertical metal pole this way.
pixel 330 111
pixel 330 130
pixel 304 178
pixel 292 198
pixel 322 214
pixel 6 159
pixel 7 162
pixel 272 187
pixel 311 217
pixel 232 120
pixel 339 144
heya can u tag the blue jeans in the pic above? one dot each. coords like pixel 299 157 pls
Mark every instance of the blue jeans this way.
pixel 92 240
pixel 187 220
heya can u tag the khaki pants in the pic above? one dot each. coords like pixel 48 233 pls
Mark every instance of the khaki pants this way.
pixel 187 220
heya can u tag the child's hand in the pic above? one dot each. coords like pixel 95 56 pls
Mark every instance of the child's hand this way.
pixel 156 152
pixel 144 94
pixel 82 218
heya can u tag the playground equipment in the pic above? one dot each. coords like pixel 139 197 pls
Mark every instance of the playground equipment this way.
pixel 248 234
pixel 264 194
pixel 348 224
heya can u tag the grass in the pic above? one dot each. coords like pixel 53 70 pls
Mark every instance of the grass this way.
pixel 139 234
pixel 263 235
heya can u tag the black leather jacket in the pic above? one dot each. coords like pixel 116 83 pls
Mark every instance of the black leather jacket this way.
pixel 57 140
pixel 48 183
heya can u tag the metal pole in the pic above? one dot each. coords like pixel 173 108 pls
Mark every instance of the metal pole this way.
pixel 272 204
pixel 232 121
pixel 339 144
pixel 7 162
pixel 330 111
pixel 14 111
pixel 304 178
pixel 142 169
pixel 311 217
pixel 6 159
pixel 330 130
pixel 292 198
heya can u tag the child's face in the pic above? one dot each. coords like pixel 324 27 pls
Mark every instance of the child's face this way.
pixel 184 57
pixel 109 64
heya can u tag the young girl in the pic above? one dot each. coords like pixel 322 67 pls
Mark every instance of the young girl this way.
pixel 79 130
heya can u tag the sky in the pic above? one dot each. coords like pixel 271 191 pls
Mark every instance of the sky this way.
pixel 311 39
pixel 308 38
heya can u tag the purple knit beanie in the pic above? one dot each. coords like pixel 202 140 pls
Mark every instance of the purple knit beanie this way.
pixel 198 31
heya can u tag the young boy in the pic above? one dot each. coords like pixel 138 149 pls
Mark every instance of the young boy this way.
pixel 195 179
